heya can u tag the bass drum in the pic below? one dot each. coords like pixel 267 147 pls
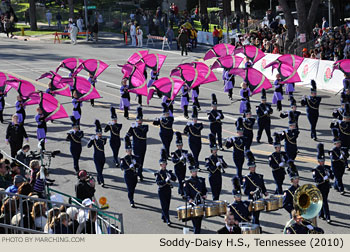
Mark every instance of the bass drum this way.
pixel 181 213
pixel 272 204
pixel 256 205
pixel 211 210
pixel 198 211
pixel 249 228
pixel 222 206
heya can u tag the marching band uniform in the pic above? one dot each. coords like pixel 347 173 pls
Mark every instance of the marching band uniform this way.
pixel 264 112
pixel 215 116
pixel 290 137
pixel 92 79
pixel 41 128
pixel 114 141
pixel 166 132
pixel 297 229
pixel 229 82
pixel 338 113
pixel 278 94
pixel 14 136
pixel 178 157
pixel 20 110
pixel 77 109
pixel 254 185
pixel 195 94
pixel 193 131
pixel 129 165
pixel 163 178
pixel 169 104
pixel 277 161
pixel 214 164
pixel 185 100
pixel 289 193
pixel 74 136
pixel 239 208
pixel 138 132
pixel 312 104
pixel 125 98
pixel 195 191
pixel 238 144
pixel 338 161
pixel 321 175
pixel 248 124
pixel 154 76
pixel 290 88
pixel 99 153
pixel 293 109
pixel 2 105
pixel 245 94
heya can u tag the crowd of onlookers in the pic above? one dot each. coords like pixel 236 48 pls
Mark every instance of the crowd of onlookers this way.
pixel 21 191
pixel 7 18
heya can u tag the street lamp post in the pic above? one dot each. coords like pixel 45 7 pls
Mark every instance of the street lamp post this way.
pixel 86 21
pixel 329 13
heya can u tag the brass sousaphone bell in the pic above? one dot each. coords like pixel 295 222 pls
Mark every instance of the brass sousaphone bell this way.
pixel 307 201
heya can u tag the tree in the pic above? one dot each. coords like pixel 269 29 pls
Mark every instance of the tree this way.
pixel 289 23
pixel 306 20
pixel 32 15
pixel 71 8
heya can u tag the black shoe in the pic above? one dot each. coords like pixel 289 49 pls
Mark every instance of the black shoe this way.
pixel 103 185
pixel 117 165
pixel 168 223
pixel 141 178
pixel 321 217
pixel 258 140
pixel 329 221
pixel 199 109
pixel 187 117
pixel 342 193
pixel 133 205
pixel 222 149
pixel 50 180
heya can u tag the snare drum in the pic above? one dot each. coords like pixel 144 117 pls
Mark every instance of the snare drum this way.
pixel 272 204
pixel 257 205
pixel 280 200
pixel 222 206
pixel 181 212
pixel 198 211
pixel 248 228
pixel 211 210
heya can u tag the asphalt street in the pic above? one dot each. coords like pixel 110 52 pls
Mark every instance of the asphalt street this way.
pixel 28 60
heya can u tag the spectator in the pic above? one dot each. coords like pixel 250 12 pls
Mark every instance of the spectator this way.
pixel 5 177
pixel 60 224
pixel 80 24
pixel 59 21
pixel 183 40
pixel 133 34
pixel 89 227
pixel 275 49
pixel 324 23
pixel 34 166
pixel 26 17
pixel 85 187
pixel 25 189
pixel 124 30
pixel 73 30
pixel 24 216
pixel 95 31
pixel 40 182
pixel 220 37
pixel 49 17
pixel 14 169
pixel 73 216
pixel 8 210
pixel 18 180
pixel 39 215
pixel 347 49
pixel 100 21
pixel 51 214
pixel 139 35
pixel 170 35
pixel 215 36
pixel 22 157
pixel 193 37
pixel 83 214
pixel 306 53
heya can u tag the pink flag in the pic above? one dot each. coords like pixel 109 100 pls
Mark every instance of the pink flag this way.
pixel 136 57
pixel 205 71
pixel 252 52
pixel 3 78
pixel 51 108
pixel 56 85
pixel 255 79
pixel 168 86
pixel 137 82
pixel 23 87
pixel 219 50
pixel 71 64
pixel 83 88
pixel 292 60
pixel 227 62
pixel 154 61
pixel 189 74
pixel 92 66
pixel 128 68
pixel 287 72
pixel 342 65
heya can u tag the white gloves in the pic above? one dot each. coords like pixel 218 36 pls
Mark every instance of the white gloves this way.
pixel 265 113
pixel 188 123
pixel 134 161
pixel 218 117
pixel 96 137
pixel 92 137
pixel 182 157
pixel 325 177
pixel 281 164
pixel 167 178
pixel 133 125
pixel 71 132
pixel 132 165
pixel 218 164
pixel 310 227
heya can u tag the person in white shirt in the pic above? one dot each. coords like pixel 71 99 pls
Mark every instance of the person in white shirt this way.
pixel 139 34
pixel 49 17
pixel 80 24
pixel 133 34
pixel 73 30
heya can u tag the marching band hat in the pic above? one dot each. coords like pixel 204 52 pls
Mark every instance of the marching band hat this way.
pixel 320 152
pixel 139 116
pixel 98 126
pixel 165 108
pixel 293 102
pixel 335 133
pixel 313 86
pixel 236 187
pixel 127 143
pixel 239 124
pixel 214 101
pixel 192 167
pixel 178 138
pixel 163 156
pixel 113 114
pixel 346 113
pixel 291 118
pixel 263 94
pixel 277 140
pixel 251 159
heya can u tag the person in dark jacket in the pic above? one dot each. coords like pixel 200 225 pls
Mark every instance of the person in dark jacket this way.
pixel 183 40
pixel 264 112
pixel 14 135
pixel 85 187
pixel 215 116
pixel 74 136
pixel 289 193
pixel 114 141
pixel 231 226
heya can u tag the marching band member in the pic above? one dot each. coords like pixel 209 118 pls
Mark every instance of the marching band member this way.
pixel 41 128
pixel 229 82
pixel 239 208
pixel 2 104
pixel 179 159
pixel 293 109
pixel 254 185
pixel 289 193
pixel 248 124
pixel 93 80
pixel 185 98
pixel 264 112
pixel 298 227
pixel 290 88
pixel 163 180
pixel 338 113
pixel 278 161
pixel 338 162
pixel 195 94
pixel 154 76
pixel 290 137
pixel 278 94
pixel 238 143
pixel 322 174
pixel 125 98
pixel 114 141
pixel 129 165
pixel 14 135
pixel 74 136
pixel 166 132
pixel 215 116
pixel 99 143
pixel 312 104
pixel 138 132
pixel 20 109
pixel 214 164
pixel 245 93
pixel 193 131
pixel 76 107
pixel 195 192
